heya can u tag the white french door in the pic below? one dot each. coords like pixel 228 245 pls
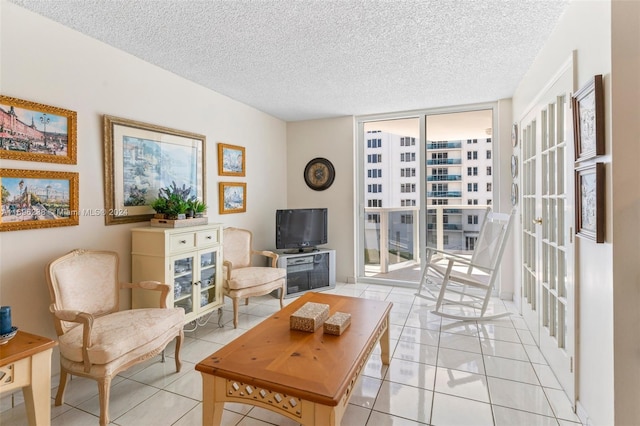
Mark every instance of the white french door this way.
pixel 548 290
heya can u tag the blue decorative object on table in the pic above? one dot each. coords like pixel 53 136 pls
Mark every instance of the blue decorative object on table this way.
pixel 5 320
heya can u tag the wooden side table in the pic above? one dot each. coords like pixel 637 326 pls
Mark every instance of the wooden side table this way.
pixel 25 362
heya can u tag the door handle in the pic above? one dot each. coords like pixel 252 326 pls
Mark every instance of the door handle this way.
pixel 537 221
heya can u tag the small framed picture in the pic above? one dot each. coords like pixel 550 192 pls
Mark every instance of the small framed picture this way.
pixel 231 160
pixel 233 197
pixel 588 120
pixel 30 131
pixel 38 199
pixel 589 183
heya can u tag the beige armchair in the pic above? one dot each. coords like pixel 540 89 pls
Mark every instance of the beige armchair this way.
pixel 96 339
pixel 241 279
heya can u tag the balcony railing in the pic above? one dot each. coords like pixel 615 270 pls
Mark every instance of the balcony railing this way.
pixel 437 161
pixel 445 226
pixel 443 177
pixel 391 241
pixel 444 145
pixel 444 194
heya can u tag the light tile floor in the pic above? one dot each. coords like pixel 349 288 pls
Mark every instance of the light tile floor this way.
pixel 442 372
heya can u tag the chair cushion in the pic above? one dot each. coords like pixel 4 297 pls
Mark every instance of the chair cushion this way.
pixel 253 276
pixel 119 333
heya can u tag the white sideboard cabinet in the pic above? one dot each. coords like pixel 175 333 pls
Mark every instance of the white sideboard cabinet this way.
pixel 189 259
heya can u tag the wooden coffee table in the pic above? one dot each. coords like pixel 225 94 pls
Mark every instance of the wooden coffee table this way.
pixel 307 377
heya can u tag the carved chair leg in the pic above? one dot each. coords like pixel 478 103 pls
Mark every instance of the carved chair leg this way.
pixel 235 312
pixel 281 297
pixel 162 360
pixel 61 387
pixel 104 389
pixel 177 352
pixel 246 301
pixel 220 324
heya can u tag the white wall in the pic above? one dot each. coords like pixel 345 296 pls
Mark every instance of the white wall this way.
pixel 334 140
pixel 606 274
pixel 625 210
pixel 45 62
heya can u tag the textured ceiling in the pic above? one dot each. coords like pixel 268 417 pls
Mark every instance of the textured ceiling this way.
pixel 311 59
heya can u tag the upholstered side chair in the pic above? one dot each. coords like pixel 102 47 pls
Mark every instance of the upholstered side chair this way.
pixel 96 339
pixel 241 279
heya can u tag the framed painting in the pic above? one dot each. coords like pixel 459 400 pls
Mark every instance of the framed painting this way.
pixel 588 120
pixel 30 131
pixel 589 182
pixel 233 197
pixel 141 158
pixel 231 160
pixel 38 199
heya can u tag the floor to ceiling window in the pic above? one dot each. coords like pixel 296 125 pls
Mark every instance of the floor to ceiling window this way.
pixel 423 181
pixel 459 177
pixel 391 197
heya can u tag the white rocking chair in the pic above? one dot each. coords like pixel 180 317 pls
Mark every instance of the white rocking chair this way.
pixel 472 279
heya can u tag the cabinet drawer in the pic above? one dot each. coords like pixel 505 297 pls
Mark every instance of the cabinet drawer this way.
pixel 181 242
pixel 208 238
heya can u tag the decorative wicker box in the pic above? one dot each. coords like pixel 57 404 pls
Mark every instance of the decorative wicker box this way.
pixel 309 317
pixel 337 324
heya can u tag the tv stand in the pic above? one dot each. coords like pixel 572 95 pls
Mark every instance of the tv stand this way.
pixel 313 270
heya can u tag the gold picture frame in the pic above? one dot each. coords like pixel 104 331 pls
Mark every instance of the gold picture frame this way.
pixel 30 131
pixel 231 160
pixel 141 158
pixel 34 199
pixel 232 197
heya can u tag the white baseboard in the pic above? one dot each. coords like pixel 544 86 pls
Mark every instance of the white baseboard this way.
pixel 582 415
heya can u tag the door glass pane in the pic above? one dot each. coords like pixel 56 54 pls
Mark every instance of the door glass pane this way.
pixel 459 177
pixel 183 283
pixel 207 278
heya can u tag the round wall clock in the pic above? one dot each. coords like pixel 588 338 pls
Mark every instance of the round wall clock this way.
pixel 319 174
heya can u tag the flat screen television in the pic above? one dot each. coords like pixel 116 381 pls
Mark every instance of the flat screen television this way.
pixel 299 230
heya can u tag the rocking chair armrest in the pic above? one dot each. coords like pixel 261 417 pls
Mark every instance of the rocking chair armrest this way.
pixel 86 321
pixel 152 285
pixel 467 262
pixel 443 254
pixel 273 256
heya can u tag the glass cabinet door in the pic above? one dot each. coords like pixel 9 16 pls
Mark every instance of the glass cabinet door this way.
pixel 208 268
pixel 183 283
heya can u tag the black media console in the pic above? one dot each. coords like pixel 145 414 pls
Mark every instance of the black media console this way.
pixel 308 271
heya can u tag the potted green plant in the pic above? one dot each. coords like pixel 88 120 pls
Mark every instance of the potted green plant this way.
pixel 173 201
pixel 160 207
pixel 198 208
